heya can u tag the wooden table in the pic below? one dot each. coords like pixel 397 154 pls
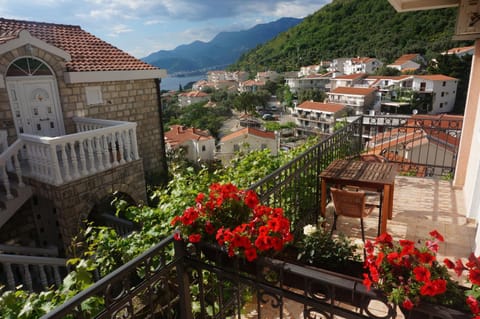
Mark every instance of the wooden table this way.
pixel 379 176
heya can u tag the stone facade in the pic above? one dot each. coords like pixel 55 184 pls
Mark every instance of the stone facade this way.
pixel 71 203
pixel 133 101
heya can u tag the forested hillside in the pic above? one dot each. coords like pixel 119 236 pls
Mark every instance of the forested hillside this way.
pixel 347 28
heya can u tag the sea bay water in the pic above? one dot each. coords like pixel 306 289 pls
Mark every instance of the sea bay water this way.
pixel 173 83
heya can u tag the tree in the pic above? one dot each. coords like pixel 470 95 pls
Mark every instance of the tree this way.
pixel 387 71
pixel 245 102
pixel 311 95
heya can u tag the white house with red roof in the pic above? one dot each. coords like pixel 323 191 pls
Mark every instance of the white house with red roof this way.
pixel 317 118
pixel 250 86
pixel 461 51
pixel 192 97
pixel 246 140
pixel 357 100
pixel 82 120
pixel 443 89
pixel 198 145
pixel 408 62
pixel 313 81
pixel 350 80
pixel 361 65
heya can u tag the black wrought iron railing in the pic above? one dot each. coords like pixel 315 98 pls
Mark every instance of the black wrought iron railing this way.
pixel 296 187
pixel 423 145
pixel 169 282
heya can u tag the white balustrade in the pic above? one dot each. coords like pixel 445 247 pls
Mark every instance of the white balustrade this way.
pixel 9 162
pixel 99 145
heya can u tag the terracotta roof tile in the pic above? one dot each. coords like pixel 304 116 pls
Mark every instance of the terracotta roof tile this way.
pixel 459 50
pixel 405 58
pixel 435 77
pixel 353 91
pixel 249 131
pixel 179 134
pixel 326 107
pixel 88 52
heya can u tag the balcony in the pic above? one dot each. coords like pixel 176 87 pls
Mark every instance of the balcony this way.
pixel 420 205
pixel 98 145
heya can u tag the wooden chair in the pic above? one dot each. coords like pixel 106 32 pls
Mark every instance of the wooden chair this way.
pixel 350 204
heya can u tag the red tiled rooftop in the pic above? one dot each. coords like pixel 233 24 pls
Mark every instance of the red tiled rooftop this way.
pixel 249 131
pixel 179 134
pixel 435 77
pixel 353 76
pixel 88 52
pixel 459 50
pixel 325 107
pixel 405 58
pixel 353 91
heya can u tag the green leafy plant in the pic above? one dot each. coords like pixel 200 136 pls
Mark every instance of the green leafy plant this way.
pixel 319 248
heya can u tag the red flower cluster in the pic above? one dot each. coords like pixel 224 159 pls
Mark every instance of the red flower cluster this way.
pixel 404 272
pixel 236 220
pixel 472 266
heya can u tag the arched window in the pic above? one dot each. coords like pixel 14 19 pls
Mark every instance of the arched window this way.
pixel 28 67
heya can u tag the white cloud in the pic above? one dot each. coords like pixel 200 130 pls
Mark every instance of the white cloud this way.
pixel 118 29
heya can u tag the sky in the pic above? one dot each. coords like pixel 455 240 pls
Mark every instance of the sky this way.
pixel 141 27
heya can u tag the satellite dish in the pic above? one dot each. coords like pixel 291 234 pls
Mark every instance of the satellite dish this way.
pixel 414 111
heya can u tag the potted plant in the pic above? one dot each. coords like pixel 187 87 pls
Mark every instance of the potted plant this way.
pixel 472 267
pixel 320 249
pixel 412 277
pixel 235 221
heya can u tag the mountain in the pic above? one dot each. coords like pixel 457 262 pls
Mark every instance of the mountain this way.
pixel 223 50
pixel 349 28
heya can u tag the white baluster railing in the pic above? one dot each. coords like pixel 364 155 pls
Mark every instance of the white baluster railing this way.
pixel 99 145
pixel 22 270
pixel 9 162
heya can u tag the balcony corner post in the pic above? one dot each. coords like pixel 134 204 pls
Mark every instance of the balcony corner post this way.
pixel 183 282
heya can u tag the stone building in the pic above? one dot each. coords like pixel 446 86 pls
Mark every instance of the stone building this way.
pixel 80 119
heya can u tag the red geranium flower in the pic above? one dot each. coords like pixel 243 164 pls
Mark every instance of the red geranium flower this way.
pixel 435 234
pixel 194 238
pixel 421 274
pixel 407 304
pixel 236 220
pixel 405 272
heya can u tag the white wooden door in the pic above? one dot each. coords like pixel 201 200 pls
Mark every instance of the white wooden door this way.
pixel 35 106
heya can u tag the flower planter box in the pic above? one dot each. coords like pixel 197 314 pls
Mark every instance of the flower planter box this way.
pixel 327 285
pixel 432 311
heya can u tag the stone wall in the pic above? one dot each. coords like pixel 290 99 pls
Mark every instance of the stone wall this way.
pixel 73 202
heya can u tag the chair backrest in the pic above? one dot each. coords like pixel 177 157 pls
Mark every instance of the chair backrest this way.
pixel 349 203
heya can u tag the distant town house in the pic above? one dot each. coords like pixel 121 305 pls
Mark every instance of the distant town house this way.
pixel 317 118
pixel 361 65
pixel 408 62
pixel 314 69
pixel 246 140
pixel 192 97
pixel 356 100
pixel 313 81
pixel 461 51
pixel 267 76
pixel 251 86
pixel 221 75
pixel 198 145
pixel 351 80
pixel 442 88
